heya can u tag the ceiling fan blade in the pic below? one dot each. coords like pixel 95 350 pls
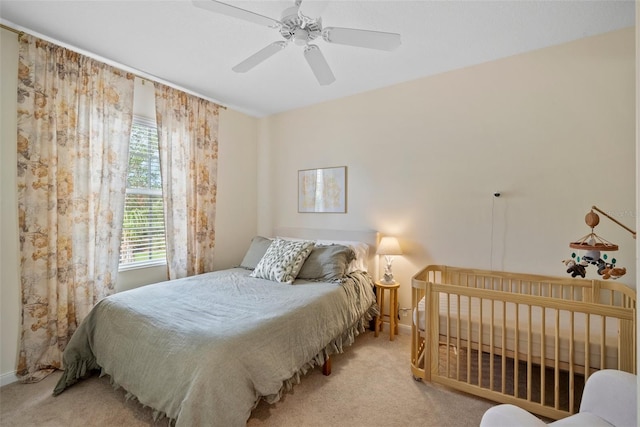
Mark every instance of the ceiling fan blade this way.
pixel 259 56
pixel 361 38
pixel 311 10
pixel 319 65
pixel 236 12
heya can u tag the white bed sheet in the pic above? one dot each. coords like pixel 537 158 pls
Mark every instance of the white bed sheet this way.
pixel 580 326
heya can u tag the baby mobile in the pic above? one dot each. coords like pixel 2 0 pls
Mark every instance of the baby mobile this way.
pixel 593 245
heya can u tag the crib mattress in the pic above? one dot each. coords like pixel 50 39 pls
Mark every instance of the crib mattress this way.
pixel 507 313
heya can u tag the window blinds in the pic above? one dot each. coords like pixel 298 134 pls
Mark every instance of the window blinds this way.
pixel 143 232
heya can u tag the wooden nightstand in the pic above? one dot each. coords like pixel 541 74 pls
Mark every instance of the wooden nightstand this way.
pixel 381 288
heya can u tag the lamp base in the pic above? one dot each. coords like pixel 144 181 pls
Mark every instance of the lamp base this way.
pixel 388 279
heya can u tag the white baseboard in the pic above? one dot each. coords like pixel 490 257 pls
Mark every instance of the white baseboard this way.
pixel 8 378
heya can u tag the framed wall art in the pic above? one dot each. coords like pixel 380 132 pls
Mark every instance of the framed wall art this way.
pixel 323 190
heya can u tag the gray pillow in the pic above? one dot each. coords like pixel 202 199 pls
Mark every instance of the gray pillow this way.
pixel 327 263
pixel 256 251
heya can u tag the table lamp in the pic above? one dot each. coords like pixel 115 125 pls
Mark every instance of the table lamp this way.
pixel 388 247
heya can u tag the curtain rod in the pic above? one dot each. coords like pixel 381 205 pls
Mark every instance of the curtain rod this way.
pixel 137 73
pixel 13 30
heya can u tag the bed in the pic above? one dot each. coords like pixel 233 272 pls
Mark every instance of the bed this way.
pixel 203 350
pixel 524 339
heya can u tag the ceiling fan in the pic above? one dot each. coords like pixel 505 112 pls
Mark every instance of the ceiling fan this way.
pixel 298 25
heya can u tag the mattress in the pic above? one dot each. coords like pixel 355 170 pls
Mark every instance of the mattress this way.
pixel 469 315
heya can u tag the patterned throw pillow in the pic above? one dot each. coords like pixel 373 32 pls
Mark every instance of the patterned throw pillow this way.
pixel 283 260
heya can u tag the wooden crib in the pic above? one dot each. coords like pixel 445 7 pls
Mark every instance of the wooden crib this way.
pixel 524 339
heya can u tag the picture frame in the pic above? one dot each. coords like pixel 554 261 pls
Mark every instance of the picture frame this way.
pixel 322 190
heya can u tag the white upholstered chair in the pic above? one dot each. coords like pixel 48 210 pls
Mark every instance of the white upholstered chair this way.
pixel 610 398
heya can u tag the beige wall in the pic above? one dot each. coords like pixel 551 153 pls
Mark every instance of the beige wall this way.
pixel 9 261
pixel 236 215
pixel 638 179
pixel 553 130
pixel 237 211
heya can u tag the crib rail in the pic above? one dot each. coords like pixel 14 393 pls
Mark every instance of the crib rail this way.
pixel 516 338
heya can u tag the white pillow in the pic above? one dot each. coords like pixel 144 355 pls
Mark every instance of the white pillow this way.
pixel 283 260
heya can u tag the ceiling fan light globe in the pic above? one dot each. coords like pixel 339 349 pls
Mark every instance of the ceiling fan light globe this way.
pixel 300 37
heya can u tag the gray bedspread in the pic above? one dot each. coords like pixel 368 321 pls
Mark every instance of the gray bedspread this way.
pixel 203 350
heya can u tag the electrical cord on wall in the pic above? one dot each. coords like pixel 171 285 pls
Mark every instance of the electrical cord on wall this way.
pixel 493 204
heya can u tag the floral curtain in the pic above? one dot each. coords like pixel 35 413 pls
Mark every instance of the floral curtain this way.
pixel 74 119
pixel 188 139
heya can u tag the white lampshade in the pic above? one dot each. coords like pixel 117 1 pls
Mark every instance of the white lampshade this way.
pixel 389 246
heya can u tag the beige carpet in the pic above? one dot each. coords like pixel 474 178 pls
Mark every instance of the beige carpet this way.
pixel 534 386
pixel 371 385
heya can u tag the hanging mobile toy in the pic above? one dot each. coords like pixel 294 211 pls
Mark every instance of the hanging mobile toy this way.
pixel 575 269
pixel 593 244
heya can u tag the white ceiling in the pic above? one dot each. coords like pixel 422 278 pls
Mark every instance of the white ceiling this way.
pixel 195 49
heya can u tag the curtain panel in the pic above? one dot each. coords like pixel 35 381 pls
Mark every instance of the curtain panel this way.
pixel 74 120
pixel 188 140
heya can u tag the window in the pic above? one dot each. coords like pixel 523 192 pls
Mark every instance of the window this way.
pixel 143 233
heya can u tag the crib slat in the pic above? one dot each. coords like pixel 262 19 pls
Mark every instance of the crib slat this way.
pixel 529 354
pixel 504 346
pixel 571 361
pixel 543 356
pixel 516 350
pixel 448 339
pixel 556 364
pixel 491 344
pixel 587 345
pixel 469 341
pixel 458 340
pixel 603 346
pixel 480 332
